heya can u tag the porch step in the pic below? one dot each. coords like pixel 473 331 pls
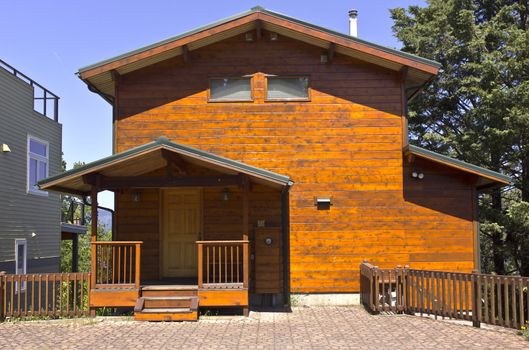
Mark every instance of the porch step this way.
pixel 159 303
pixel 167 302
pixel 169 291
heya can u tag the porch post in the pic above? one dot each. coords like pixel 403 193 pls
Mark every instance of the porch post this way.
pixel 93 261
pixel 245 224
pixel 245 207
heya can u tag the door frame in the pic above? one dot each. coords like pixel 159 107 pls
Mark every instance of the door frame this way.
pixel 161 233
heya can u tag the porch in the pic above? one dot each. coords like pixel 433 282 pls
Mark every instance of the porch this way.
pixel 191 230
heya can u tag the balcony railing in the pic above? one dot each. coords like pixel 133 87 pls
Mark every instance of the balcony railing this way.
pixel 45 102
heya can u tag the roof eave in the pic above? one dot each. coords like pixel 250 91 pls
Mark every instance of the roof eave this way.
pixel 496 178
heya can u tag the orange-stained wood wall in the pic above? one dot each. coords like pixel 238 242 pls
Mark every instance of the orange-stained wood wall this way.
pixel 346 142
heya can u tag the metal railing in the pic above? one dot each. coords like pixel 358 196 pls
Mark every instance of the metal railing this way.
pixel 45 102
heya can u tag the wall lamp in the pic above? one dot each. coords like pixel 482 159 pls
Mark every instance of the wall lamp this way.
pixel 136 196
pixel 226 194
pixel 5 148
pixel 417 175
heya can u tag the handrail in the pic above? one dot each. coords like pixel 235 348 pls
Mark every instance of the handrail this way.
pixel 116 264
pixel 222 242
pixel 46 94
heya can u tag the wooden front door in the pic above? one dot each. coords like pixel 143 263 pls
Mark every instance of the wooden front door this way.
pixel 182 224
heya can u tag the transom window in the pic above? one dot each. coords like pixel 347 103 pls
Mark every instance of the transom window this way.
pixel 230 89
pixel 38 155
pixel 287 88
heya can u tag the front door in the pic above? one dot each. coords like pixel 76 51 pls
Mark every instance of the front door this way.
pixel 182 223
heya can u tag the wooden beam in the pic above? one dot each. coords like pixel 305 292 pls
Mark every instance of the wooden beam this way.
pixel 173 158
pixel 258 29
pixel 330 52
pixel 113 183
pixel 115 76
pixel 404 106
pixel 185 53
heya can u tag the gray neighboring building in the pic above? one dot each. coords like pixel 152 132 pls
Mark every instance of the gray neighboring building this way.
pixel 30 141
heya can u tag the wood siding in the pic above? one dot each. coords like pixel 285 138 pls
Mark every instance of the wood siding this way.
pixel 346 142
pixel 223 220
pixel 21 213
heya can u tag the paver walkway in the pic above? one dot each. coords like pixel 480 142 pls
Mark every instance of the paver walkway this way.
pixel 304 328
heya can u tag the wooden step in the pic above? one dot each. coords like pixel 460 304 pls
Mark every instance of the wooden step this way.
pixel 166 309
pixel 167 302
pixel 169 291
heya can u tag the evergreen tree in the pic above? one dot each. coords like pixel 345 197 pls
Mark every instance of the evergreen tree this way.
pixel 477 108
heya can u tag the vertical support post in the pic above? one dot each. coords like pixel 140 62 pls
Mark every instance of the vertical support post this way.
pixel 2 284
pixel 138 266
pixel 200 248
pixel 56 109
pixel 245 256
pixel 45 103
pixel 476 299
pixel 75 252
pixel 245 207
pixel 404 106
pixel 93 268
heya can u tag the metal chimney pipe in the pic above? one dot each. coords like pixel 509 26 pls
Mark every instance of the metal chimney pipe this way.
pixel 353 23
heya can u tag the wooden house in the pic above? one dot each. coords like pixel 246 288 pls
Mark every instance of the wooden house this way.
pixel 261 157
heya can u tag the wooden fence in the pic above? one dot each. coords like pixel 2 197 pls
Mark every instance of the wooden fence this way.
pixel 492 299
pixel 44 295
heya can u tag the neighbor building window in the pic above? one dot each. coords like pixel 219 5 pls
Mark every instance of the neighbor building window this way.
pixel 38 155
pixel 21 254
pixel 287 88
pixel 230 89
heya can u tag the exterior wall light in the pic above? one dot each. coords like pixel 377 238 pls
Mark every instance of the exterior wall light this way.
pixel 273 36
pixel 417 175
pixel 136 197
pixel 5 148
pixel 226 194
pixel 323 203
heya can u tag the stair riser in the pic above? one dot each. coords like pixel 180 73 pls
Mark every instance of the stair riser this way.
pixel 168 293
pixel 191 316
pixel 166 303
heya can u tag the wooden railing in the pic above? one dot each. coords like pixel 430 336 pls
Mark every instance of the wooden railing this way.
pixel 492 299
pixel 48 294
pixel 223 264
pixel 116 264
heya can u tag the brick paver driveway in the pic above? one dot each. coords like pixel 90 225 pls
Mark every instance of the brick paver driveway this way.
pixel 304 328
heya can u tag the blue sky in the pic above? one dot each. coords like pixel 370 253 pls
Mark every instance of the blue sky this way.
pixel 50 40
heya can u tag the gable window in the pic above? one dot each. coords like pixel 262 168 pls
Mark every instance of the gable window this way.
pixel 230 89
pixel 287 89
pixel 38 155
pixel 21 254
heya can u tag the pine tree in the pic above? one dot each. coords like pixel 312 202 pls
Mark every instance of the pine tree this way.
pixel 477 108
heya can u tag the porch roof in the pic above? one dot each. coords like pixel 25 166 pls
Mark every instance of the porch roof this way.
pixel 149 157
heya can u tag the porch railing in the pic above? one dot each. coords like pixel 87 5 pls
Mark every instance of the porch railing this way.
pixel 223 264
pixel 116 264
pixel 46 294
pixel 493 299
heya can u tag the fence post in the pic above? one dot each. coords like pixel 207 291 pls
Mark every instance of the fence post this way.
pixel 2 284
pixel 476 299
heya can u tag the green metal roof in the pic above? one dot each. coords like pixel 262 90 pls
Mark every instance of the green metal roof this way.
pixel 461 164
pixel 178 148
pixel 260 9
